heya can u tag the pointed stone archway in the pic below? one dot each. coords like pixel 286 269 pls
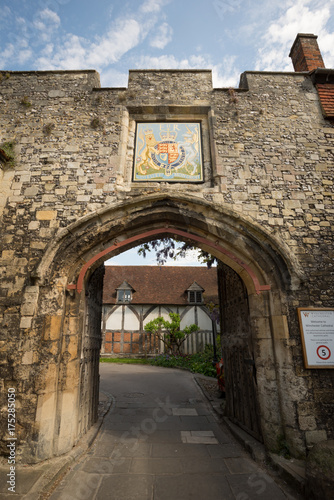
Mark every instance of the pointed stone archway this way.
pixel 70 275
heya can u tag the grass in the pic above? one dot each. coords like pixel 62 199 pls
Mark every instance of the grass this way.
pixel 127 361
pixel 196 363
pixel 8 148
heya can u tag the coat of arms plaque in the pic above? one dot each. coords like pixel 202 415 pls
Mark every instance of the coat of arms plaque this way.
pixel 169 152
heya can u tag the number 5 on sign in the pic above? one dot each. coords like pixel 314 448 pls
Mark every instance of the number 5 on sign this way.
pixel 317 334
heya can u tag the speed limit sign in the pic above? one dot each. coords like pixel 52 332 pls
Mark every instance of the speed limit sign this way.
pixel 324 352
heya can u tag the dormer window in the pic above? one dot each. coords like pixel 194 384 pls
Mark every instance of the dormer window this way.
pixel 195 294
pixel 194 297
pixel 124 292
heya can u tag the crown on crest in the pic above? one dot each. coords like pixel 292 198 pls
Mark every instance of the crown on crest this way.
pixel 168 134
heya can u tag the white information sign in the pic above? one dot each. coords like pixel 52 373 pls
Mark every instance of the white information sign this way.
pixel 317 331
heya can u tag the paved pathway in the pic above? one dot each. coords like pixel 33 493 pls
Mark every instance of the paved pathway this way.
pixel 161 441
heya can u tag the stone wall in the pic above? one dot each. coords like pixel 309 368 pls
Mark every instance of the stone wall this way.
pixel 268 192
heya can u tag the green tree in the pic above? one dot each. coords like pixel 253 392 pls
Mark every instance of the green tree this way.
pixel 173 248
pixel 169 332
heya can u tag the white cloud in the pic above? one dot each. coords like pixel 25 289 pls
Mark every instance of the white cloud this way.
pixel 226 74
pixel 190 259
pixel 150 6
pixel 47 20
pixel 163 37
pixel 50 16
pixel 6 54
pixel 326 44
pixel 24 56
pixel 70 56
pixel 5 13
pixel 302 17
pixel 162 62
pixel 123 37
pixel 78 53
pixel 113 78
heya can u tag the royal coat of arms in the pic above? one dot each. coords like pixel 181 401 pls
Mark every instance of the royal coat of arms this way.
pixel 168 152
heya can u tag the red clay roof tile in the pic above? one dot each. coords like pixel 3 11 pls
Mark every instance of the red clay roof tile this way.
pixel 160 284
pixel 326 94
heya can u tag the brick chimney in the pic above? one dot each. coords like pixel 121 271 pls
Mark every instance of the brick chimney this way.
pixel 305 53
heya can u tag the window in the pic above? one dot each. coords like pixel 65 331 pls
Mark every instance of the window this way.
pixel 124 296
pixel 195 294
pixel 124 292
pixel 195 297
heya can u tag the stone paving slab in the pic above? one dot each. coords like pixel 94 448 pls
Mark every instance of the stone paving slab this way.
pixel 103 465
pixel 200 465
pixel 184 412
pixel 135 449
pixel 226 450
pixel 24 480
pixel 167 450
pixel 192 487
pixel 156 466
pixel 240 465
pixel 79 485
pixel 257 486
pixel 198 437
pixel 135 487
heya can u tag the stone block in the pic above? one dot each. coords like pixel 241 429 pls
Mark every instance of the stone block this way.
pixel 26 322
pixel 307 423
pixel 291 204
pixel 72 346
pixel 72 375
pixel 56 93
pixel 46 214
pixel 27 358
pixel 280 327
pixel 33 225
pixel 52 327
pixel 314 437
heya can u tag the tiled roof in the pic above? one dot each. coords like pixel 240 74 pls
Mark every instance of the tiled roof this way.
pixel 326 94
pixel 160 284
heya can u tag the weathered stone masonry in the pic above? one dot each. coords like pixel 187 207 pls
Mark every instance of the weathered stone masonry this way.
pixel 265 209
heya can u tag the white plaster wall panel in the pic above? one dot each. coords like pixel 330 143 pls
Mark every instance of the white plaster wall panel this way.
pixel 165 313
pixel 188 318
pixel 153 314
pixel 114 322
pixel 204 322
pixel 130 320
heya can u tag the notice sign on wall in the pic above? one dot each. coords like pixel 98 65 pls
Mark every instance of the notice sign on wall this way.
pixel 317 331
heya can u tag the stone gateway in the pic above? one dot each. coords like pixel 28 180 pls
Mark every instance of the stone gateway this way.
pixel 263 205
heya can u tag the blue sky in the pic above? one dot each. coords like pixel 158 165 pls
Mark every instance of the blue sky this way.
pixel 227 36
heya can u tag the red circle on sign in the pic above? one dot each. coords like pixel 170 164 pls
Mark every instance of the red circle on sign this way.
pixel 327 352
